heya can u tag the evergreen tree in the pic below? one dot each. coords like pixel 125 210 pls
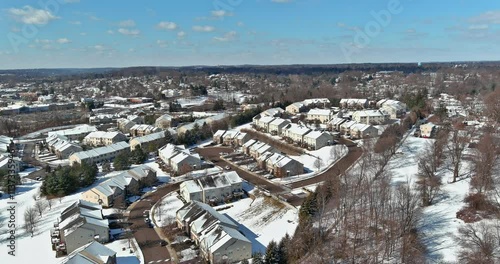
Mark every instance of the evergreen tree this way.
pixel 121 162
pixel 257 258
pixel 272 254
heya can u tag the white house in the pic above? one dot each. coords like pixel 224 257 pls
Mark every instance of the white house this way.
pixel 354 103
pixel 427 130
pixel 80 224
pixel 277 125
pixel 296 132
pixel 363 131
pixel 101 138
pixel 148 142
pixel 92 253
pixel 323 115
pixel 345 128
pixel 213 188
pixel 262 122
pixel 295 108
pixel 180 159
pixel 97 155
pixel 370 117
pixel 395 109
pixel 317 139
pixel 217 236
pixel 164 121
pixel 75 133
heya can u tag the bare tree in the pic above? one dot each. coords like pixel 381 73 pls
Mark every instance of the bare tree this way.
pixel 479 243
pixel 456 147
pixel 49 203
pixel 428 183
pixel 31 220
pixel 318 163
pixel 492 103
pixel 485 160
pixel 40 206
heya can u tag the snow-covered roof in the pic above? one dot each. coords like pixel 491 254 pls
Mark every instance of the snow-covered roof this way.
pixel 316 134
pixel 371 113
pixel 249 143
pixel 297 129
pixel 272 112
pixel 219 133
pixel 150 137
pixel 316 101
pixel 279 121
pixel 82 129
pixel 82 155
pixel 321 112
pixel 361 127
pixel 92 253
pixel 102 134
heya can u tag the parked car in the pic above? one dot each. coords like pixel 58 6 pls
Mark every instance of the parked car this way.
pixel 163 243
pixel 145 213
pixel 227 167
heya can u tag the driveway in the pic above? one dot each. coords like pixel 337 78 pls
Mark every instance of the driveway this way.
pixel 146 237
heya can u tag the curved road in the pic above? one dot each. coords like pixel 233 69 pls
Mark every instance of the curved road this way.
pixel 146 237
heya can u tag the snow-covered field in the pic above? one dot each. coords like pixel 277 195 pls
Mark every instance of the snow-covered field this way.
pixel 439 224
pixel 187 102
pixel 36 249
pixel 262 221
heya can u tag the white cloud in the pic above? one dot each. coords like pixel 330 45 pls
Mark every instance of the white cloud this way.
pixel 129 32
pixel 229 36
pixel 30 15
pixel 127 23
pixel 479 27
pixel 281 1
pixel 181 34
pixel 203 28
pixel 221 13
pixel 83 33
pixel 161 43
pixel 63 41
pixel 75 22
pixel 490 17
pixel 167 25
pixel 111 32
pixel 240 24
pixel 43 41
pixel 99 47
pixel 72 1
pixel 131 50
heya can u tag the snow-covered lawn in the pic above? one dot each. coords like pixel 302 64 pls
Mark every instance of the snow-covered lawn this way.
pixel 170 205
pixel 262 220
pixel 326 156
pixel 439 224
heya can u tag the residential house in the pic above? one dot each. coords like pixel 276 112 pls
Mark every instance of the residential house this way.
pixel 241 139
pixel 317 102
pixel 217 137
pixel 149 143
pixel 201 122
pixel 370 117
pixel 428 130
pixel 76 133
pixel 98 155
pixel 295 108
pixel 92 253
pixel 142 130
pixel 345 128
pixel 283 166
pixel 322 115
pixel 180 159
pixel 296 132
pixel 229 138
pixel 277 125
pixel 8 164
pixel 217 236
pixel 262 122
pixel 213 188
pixel 260 148
pixel 334 124
pixel 164 121
pixel 119 186
pixel 317 139
pixel 138 119
pixel 246 146
pixel 354 103
pixel 124 125
pixel 101 138
pixel 274 112
pixel 80 224
pixel 61 146
pixel 395 109
pixel 359 131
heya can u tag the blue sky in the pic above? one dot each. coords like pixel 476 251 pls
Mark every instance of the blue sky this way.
pixel 116 33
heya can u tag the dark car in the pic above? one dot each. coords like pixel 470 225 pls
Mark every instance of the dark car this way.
pixel 163 243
